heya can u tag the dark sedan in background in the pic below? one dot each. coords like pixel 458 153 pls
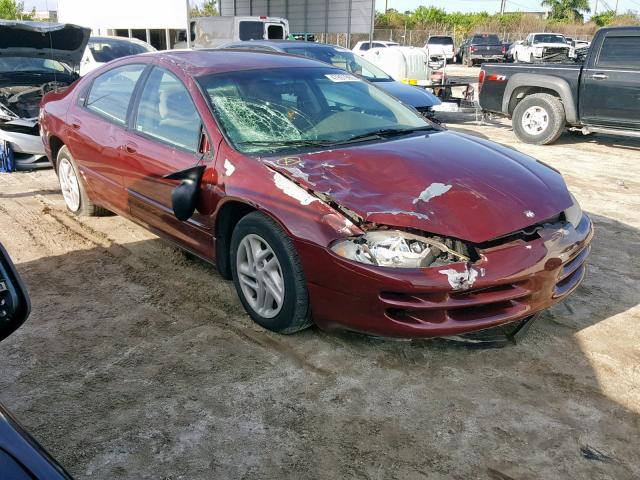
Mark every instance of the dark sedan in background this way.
pixel 410 95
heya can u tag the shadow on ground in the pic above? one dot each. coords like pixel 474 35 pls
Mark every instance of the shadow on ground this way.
pixel 138 362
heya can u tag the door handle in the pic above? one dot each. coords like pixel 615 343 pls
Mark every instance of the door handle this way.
pixel 130 147
pixel 75 123
pixel 599 76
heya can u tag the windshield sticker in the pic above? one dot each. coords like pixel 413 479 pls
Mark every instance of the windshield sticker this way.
pixel 341 77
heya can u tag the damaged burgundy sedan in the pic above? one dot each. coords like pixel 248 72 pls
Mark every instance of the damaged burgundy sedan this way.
pixel 325 199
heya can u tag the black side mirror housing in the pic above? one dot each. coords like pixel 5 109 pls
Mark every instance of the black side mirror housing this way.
pixel 15 305
pixel 184 197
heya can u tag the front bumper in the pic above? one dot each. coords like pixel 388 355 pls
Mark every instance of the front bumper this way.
pixel 514 281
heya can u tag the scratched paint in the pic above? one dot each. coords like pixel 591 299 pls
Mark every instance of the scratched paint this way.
pixel 432 191
pixel 229 168
pixel 421 216
pixel 294 191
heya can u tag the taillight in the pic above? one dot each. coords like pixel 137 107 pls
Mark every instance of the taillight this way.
pixel 481 80
pixel 472 49
pixel 504 50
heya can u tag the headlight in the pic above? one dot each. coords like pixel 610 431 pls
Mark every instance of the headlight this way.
pixel 573 214
pixel 538 50
pixel 394 248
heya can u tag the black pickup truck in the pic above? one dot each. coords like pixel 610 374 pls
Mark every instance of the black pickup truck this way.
pixel 602 94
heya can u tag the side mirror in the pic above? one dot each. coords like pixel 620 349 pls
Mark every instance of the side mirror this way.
pixel 14 299
pixel 184 197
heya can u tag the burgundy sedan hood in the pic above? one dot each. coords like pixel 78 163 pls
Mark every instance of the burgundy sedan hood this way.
pixel 444 183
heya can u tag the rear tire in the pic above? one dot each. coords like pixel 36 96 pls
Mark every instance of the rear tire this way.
pixel 73 190
pixel 268 275
pixel 539 119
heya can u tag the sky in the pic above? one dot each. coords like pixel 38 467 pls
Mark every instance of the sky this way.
pixel 490 6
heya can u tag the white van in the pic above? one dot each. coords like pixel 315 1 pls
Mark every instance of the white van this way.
pixel 211 32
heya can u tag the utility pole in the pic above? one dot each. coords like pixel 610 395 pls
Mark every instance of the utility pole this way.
pixel 503 4
pixel 616 7
pixel 385 5
pixel 595 10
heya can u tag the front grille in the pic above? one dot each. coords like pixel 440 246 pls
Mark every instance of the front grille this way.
pixel 571 273
pixel 497 303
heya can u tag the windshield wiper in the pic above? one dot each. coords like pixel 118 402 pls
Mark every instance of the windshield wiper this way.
pixel 386 133
pixel 288 143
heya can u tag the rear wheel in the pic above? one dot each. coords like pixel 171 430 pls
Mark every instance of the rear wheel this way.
pixel 268 276
pixel 73 191
pixel 539 119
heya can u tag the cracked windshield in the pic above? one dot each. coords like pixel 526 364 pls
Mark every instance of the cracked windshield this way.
pixel 263 111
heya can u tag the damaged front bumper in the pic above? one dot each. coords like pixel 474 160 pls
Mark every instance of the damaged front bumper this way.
pixel 511 282
pixel 24 139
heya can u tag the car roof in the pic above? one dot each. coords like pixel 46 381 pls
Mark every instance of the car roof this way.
pixel 281 44
pixel 203 62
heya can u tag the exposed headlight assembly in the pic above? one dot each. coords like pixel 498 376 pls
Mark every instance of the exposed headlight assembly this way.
pixel 394 248
pixel 573 214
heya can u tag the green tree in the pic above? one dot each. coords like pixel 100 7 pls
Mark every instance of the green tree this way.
pixel 208 9
pixel 12 10
pixel 567 10
pixel 603 19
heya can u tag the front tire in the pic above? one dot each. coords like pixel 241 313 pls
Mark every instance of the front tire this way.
pixel 73 191
pixel 539 119
pixel 268 275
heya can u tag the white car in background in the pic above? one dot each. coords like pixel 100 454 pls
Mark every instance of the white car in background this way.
pixel 541 46
pixel 101 50
pixel 363 46
pixel 441 46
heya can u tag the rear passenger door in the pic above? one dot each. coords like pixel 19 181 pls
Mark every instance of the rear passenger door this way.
pixel 610 87
pixel 97 122
pixel 166 135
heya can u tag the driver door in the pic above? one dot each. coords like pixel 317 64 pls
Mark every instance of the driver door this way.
pixel 166 135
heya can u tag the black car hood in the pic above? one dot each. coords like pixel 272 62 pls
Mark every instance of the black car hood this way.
pixel 57 41
pixel 408 94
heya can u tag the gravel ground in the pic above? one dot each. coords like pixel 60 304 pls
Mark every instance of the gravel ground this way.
pixel 138 361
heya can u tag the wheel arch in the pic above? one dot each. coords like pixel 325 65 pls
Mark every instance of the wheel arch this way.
pixel 55 144
pixel 520 85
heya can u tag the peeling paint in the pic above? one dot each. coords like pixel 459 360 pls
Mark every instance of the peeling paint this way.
pixel 327 165
pixel 421 216
pixel 293 190
pixel 228 168
pixel 432 191
pixel 462 280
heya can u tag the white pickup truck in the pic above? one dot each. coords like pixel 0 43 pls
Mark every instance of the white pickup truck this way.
pixel 539 47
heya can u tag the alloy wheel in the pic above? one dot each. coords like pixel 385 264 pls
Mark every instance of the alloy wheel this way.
pixel 69 185
pixel 535 120
pixel 260 276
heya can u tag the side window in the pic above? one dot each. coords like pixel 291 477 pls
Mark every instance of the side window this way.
pixel 166 111
pixel 620 52
pixel 251 30
pixel 364 46
pixel 111 92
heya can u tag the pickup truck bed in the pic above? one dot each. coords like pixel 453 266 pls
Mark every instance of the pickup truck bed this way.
pixel 543 100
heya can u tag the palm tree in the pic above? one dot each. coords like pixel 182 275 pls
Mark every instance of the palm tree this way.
pixel 567 9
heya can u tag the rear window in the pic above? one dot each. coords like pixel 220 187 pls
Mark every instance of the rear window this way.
pixel 440 41
pixel 251 30
pixel 620 52
pixel 486 40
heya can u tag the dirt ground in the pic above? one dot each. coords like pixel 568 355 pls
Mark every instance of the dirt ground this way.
pixel 139 361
